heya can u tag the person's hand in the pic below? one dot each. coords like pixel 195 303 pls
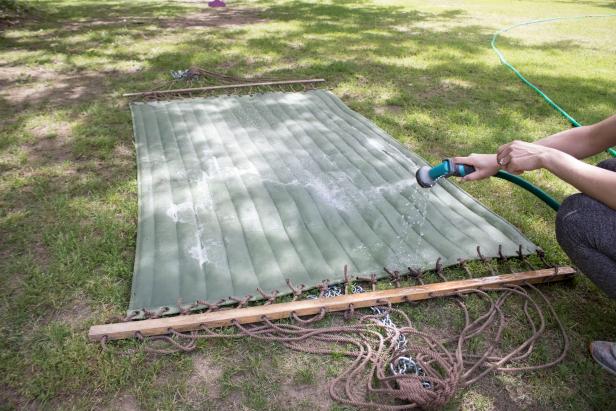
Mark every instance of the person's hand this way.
pixel 519 156
pixel 485 166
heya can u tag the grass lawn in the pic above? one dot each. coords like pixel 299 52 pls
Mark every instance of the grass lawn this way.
pixel 422 70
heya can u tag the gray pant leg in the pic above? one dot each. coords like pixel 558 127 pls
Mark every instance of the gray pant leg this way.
pixel 586 230
pixel 609 164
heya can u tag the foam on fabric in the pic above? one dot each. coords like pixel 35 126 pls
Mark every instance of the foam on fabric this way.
pixel 240 192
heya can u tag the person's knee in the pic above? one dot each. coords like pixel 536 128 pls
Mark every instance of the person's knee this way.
pixel 578 232
pixel 609 164
pixel 569 220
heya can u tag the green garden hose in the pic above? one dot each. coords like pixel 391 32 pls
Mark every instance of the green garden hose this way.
pixel 549 200
pixel 528 186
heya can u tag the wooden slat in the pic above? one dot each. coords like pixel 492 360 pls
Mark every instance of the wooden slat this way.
pixel 225 86
pixel 254 314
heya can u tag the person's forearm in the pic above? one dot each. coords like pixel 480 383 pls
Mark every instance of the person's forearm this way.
pixel 575 141
pixel 595 182
pixel 586 141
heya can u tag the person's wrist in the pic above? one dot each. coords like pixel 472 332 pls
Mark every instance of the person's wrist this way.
pixel 492 162
pixel 550 158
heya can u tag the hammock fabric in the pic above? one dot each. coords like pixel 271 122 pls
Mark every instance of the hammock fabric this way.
pixel 244 192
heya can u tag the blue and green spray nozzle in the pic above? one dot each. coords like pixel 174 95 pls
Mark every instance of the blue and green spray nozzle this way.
pixel 427 176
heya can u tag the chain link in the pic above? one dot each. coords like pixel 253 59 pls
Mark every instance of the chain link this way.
pixel 333 291
pixel 402 364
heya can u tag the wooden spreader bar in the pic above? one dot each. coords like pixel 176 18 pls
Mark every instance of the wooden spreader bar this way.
pixel 224 317
pixel 225 86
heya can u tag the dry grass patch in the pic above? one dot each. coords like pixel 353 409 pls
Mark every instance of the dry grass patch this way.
pixel 25 86
pixel 205 379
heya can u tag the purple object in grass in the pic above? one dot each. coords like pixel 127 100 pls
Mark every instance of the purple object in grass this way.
pixel 216 3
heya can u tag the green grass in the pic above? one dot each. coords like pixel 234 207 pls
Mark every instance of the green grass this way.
pixel 422 71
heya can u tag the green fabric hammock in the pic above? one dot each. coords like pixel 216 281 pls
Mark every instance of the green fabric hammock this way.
pixel 240 192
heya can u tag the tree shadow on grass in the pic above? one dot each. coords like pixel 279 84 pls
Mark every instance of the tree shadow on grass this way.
pixel 604 4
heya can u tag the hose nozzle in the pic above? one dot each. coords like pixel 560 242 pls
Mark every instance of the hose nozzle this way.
pixel 428 176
